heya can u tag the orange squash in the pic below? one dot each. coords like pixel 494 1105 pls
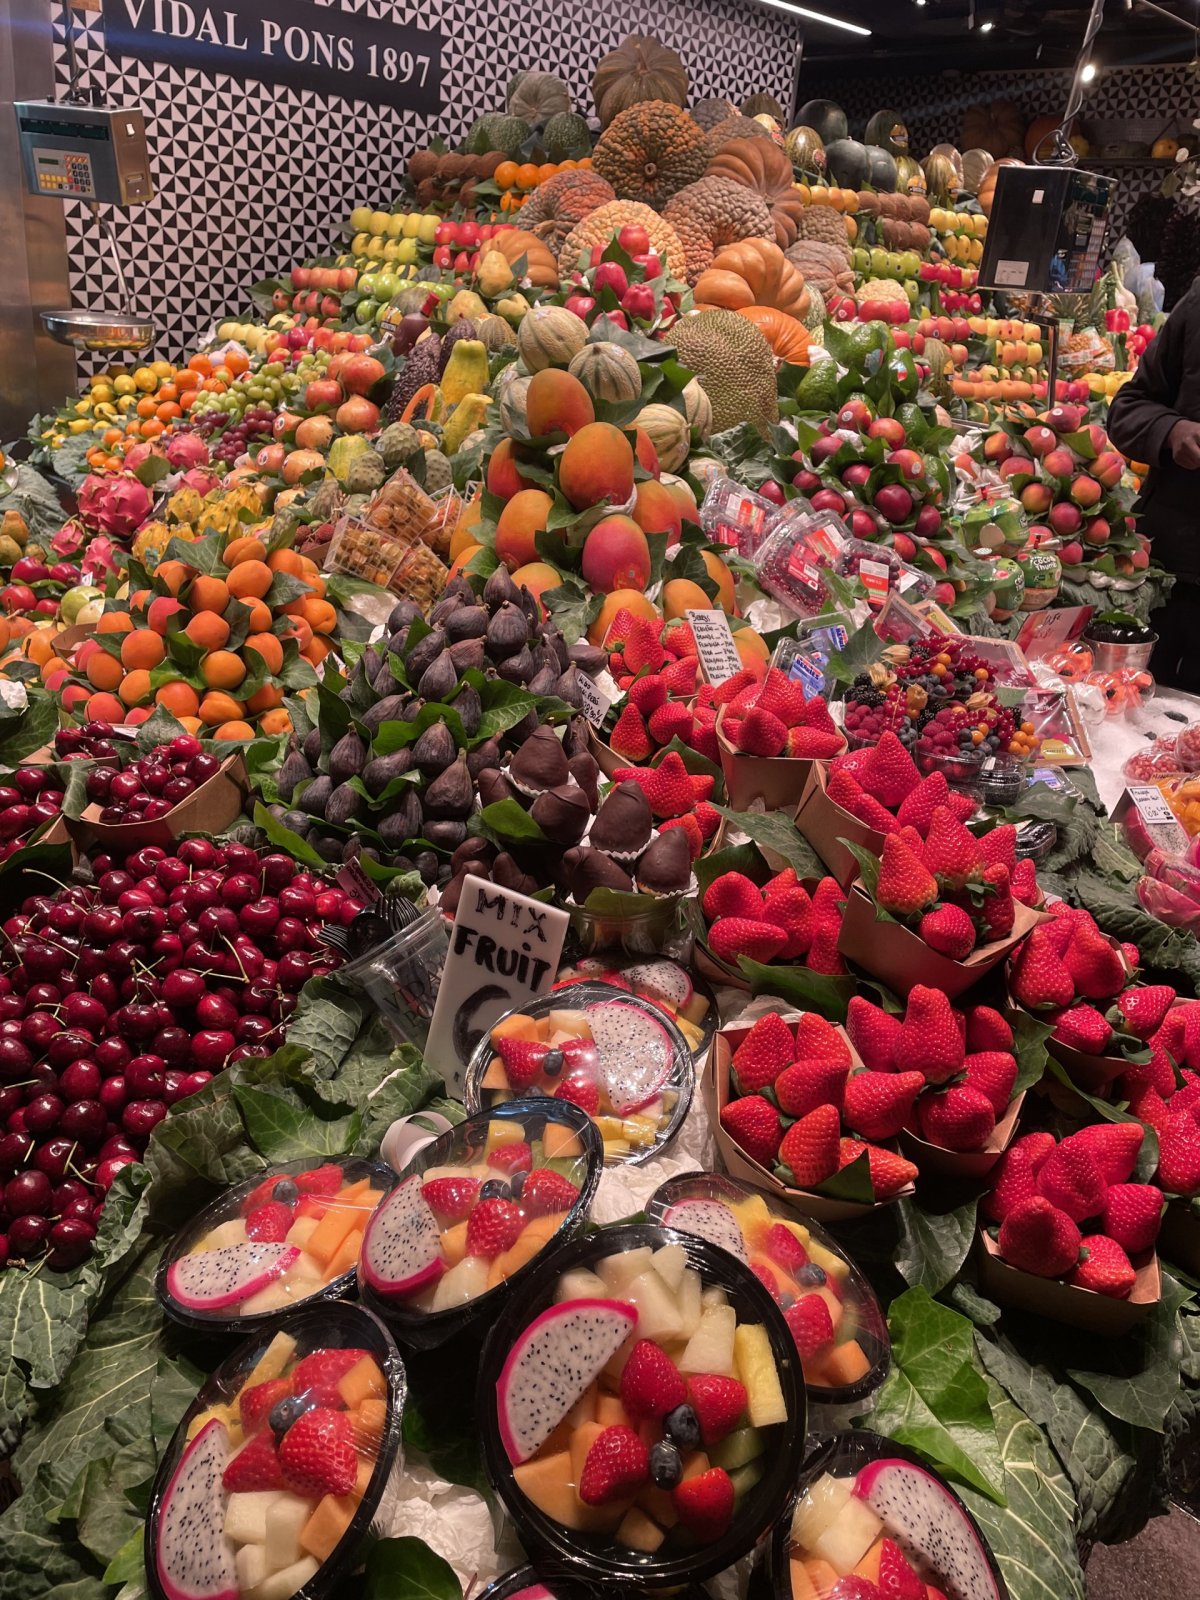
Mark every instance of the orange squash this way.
pixel 753 272
pixel 788 338
pixel 987 188
pixel 540 266
pixel 760 164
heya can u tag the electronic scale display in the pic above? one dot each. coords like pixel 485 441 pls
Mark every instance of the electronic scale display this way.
pixel 1047 229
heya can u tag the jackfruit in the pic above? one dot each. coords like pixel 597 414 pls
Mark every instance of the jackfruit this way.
pixel 733 362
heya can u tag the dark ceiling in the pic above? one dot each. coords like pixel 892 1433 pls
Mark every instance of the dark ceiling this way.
pixel 1025 34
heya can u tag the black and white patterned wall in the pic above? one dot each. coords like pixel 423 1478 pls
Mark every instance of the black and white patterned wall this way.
pixel 253 177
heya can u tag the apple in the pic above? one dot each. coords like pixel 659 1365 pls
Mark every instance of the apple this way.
pixel 28 569
pixel 855 414
pixel 936 557
pixel 773 492
pixel 904 547
pixel 17 597
pixel 47 607
pixel 610 275
pixel 638 301
pixel 893 501
pixel 929 523
pixel 908 462
pixel 634 239
pixel 619 319
pixel 825 447
pixel 807 482
pixel 65 572
pixel 863 524
pixel 581 304
pixel 856 474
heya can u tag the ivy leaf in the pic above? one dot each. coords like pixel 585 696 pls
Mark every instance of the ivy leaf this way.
pixel 284 839
pixel 933 1244
pixel 774 831
pixel 807 991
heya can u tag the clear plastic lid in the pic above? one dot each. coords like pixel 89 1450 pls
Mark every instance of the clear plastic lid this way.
pixel 731 514
pixel 801 545
pixel 668 985
pixel 525 1584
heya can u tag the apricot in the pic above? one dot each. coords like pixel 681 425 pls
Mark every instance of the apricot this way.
pixel 646 453
pixel 655 509
pixel 142 648
pixel 269 647
pixel 616 555
pixel 683 498
pixel 162 612
pixel 596 466
pixel 135 687
pixel 537 576
pixel 522 519
pixel 105 708
pixel 681 595
pixel 556 402
pixel 503 474
pixel 208 594
pixel 722 577
pixel 631 600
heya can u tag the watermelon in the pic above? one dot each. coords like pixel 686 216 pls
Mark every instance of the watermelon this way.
pixel 849 163
pixel 828 119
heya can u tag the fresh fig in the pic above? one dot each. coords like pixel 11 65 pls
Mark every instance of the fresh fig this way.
pixel 499 590
pixel 507 632
pixel 494 786
pixel 412 710
pixel 379 773
pixel 298 821
pixel 452 793
pixel 312 747
pixel 294 770
pixel 517 668
pixel 434 750
pixel 315 796
pixel 567 687
pixel 398 827
pixel 445 832
pixel 370 662
pixel 398 640
pixel 344 805
pixel 587 657
pixel 470 711
pixel 428 865
pixel 466 622
pixel 329 847
pixel 542 682
pixel 439 679
pixel 524 729
pixel 531 606
pixel 384 680
pixel 389 709
pixel 467 654
pixel 554 640
pixel 544 656
pixel 483 756
pixel 424 653
pixel 348 756
pixel 402 613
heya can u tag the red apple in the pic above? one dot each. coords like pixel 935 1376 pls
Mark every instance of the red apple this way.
pixel 893 501
pixel 634 239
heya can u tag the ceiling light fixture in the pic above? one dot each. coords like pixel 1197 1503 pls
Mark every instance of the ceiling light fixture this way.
pixel 816 16
pixel 986 27
pixel 1087 72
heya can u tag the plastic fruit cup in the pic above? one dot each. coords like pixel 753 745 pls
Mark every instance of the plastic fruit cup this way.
pixel 561 1552
pixel 848 1370
pixel 255 1280
pixel 643 1080
pixel 834 1530
pixel 524 1584
pixel 427 1268
pixel 686 997
pixel 217 1524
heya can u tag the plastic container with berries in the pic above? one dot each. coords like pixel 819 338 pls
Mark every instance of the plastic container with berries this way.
pixel 472 1212
pixel 288 1458
pixel 272 1243
pixel 642 1410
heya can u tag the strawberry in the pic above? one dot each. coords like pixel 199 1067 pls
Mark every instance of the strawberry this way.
pixel 951 853
pixel 650 1382
pixel 889 774
pixel 792 912
pixel 732 937
pixel 317 1376
pixel 999 845
pixel 254 1405
pixel 1132 1215
pixel 1094 965
pixel 642 647
pixel 522 1059
pixel 327 1179
pixel 909 836
pixel 256 1466
pixel 725 693
pixel 809 1150
pixel 665 786
pixel 701 784
pixel 678 638
pixel 766 1050
pixel 670 721
pixel 1173 1032
pixel 816 715
pixel 1039 1147
pixel 648 693
pixel 993 1073
pixel 917 808
pixel 753 1123
pixel 960 1118
pixel 761 734
pixel 733 895
pixel 811 1323
pixel 1013 1182
pixel 691 832
pixel 1104 1267
pixel 1143 1009
pixel 780 884
pixel 718 1402
pixel 1039 980
pixel 617 1464
pixel 317 1454
pixel 962 805
pixel 987 1029
pixel 1148 1106
pixel 862 805
pixel 1072 1182
pixel 1024 882
pixel 878 1104
pixel 546 1191
pixel 783 1247
pixel 767 1278
pixel 705 1504
pixel 581 1092
pixel 889 1172
pixel 1157 1074
pixel 679 677
pixel 452 1198
pixel 494 1227
pixel 630 737
pixel 270 1222
pixel 998 913
pixel 930 1040
pixel 948 930
pixel 897 1580
pixel 515 1157
pixel 853 1587
pixel 1133 956
pixel 1039 1238
pixel 818 1040
pixel 809 1084
pixel 812 744
pixel 620 629
pixel 709 819
pixel 1179 1156
pixel 704 737
pixel 874 1033
pixel 1113 1146
pixel 782 697
pixel 1083 1028
pixel 905 886
pixel 744 702
pixel 823 956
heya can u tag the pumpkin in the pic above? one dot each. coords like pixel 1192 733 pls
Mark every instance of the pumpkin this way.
pixel 514 403
pixel 557 205
pixel 550 336
pixel 541 269
pixel 607 372
pixel 787 337
pixel 698 408
pixel 650 152
pixel 537 96
pixel 1037 136
pixel 987 189
pixel 669 433
pixel 599 227
pixel 997 126
pixel 752 273
pixel 639 69
pixel 824 266
pixel 761 165
pixel 708 113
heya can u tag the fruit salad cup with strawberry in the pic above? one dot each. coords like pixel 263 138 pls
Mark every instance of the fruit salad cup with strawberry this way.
pixel 870 1522
pixel 667 984
pixel 826 1301
pixel 472 1211
pixel 272 1243
pixel 617 1057
pixel 642 1409
pixel 287 1458
pixel 524 1583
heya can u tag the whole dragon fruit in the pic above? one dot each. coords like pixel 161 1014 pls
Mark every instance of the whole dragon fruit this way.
pixel 186 450
pixel 146 450
pixel 116 505
pixel 199 479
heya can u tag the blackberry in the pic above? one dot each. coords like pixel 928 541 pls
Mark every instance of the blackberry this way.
pixel 868 697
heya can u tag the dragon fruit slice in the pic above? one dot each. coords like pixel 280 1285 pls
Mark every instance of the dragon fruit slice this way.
pixel 193 1556
pixel 533 1591
pixel 550 1366
pixel 711 1220
pixel 930 1526
pixel 214 1280
pixel 402 1247
pixel 661 980
pixel 635 1053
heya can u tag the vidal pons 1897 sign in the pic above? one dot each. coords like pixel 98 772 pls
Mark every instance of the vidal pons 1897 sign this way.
pixel 307 44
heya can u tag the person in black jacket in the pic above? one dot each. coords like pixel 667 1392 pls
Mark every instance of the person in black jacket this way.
pixel 1155 418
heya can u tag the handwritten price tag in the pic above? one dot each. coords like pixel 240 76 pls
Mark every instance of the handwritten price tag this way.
pixel 595 704
pixel 714 645
pixel 1151 805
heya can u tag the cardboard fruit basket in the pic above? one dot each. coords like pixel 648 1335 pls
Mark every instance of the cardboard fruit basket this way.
pixel 1064 1302
pixel 964 1163
pixel 714 1090
pixel 1089 1072
pixel 778 781
pixel 1179 1236
pixel 210 808
pixel 825 825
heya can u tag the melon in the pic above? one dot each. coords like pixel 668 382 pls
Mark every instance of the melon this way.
pixel 881 169
pixel 806 149
pixel 887 129
pixel 849 163
pixel 828 119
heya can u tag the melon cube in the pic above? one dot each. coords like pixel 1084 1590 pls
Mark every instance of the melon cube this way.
pixel 817 1507
pixel 610 1413
pixel 466 1281
pixel 659 1504
pixel 738 1448
pixel 363 1381
pixel 802 1584
pixel 517 1027
pixel 504 1132
pixel 638 1531
pixel 250 1563
pixel 845 1363
pixel 494 1075
pixel 619 1271
pixel 282 1585
pixel 821 1575
pixel 321 1532
pixel 546 1482
pixel 301 1231
pixel 348 1253
pixel 657 1306
pixel 694 1463
pixel 367 1423
pixel 246 1514
pixel 559 1142
pixel 286 1521
pixel 757 1370
pixel 273 1298
pixel 849 1536
pixel 231 1232
pixel 669 1263
pixel 572 1023
pixel 579 1284
pixel 454 1243
pixel 326 1238
pixel 710 1349
pixel 690 1308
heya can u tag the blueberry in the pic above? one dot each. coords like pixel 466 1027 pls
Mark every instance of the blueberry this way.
pixel 683 1426
pixel 553 1063
pixel 786 1301
pixel 666 1464
pixel 286 1192
pixel 494 1189
pixel 811 1276
pixel 284 1412
pixel 516 1183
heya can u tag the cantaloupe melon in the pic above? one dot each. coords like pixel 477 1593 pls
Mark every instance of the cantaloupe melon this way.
pixel 328 1523
pixel 546 1482
pixel 639 1532
pixel 326 1238
pixel 363 1381
pixel 560 1143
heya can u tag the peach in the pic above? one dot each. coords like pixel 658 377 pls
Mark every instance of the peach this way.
pixel 1016 467
pixel 596 466
pixel 616 555
pixel 503 474
pixel 1086 492
pixel 681 595
pixel 1037 498
pixel 722 577
pixel 655 509
pixel 1107 468
pixel 1097 531
pixel 537 577
pixel 1059 463
pixel 1041 440
pixel 646 453
pixel 684 498
pixel 556 402
pixel 631 600
pixel 1065 519
pixel 522 519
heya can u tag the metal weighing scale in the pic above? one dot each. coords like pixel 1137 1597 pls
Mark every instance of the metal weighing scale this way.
pixel 78 150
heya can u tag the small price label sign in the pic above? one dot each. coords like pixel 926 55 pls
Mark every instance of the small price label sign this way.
pixel 714 645
pixel 1151 805
pixel 595 704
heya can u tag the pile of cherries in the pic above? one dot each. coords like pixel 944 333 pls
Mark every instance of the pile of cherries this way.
pixel 122 996
pixel 31 798
pixel 152 786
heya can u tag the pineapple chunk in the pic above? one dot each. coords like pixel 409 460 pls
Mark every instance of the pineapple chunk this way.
pixel 619 1271
pixel 273 1298
pixel 273 1360
pixel 608 1127
pixel 833 1265
pixel 710 1349
pixel 756 1369
pixel 640 1130
pixel 669 1263
pixel 302 1230
pixel 580 1284
pixel 615 1150
pixel 689 1301
pixel 817 1508
pixel 639 1531
pixel 658 1308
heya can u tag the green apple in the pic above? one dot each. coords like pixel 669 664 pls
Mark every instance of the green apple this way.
pixel 360 219
pixel 861 259
pixel 385 286
pixel 364 311
pixel 879 262
pixel 73 602
pixel 381 311
pixel 378 223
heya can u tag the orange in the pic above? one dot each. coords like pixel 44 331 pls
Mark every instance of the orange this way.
pixel 320 615
pixel 180 699
pixel 115 622
pixel 260 618
pixel 505 175
pixel 275 722
pixel 247 548
pixel 143 648
pixel 146 406
pixel 135 687
pixel 269 648
pixel 237 362
pixel 265 699
pixel 233 730
pixel 152 429
pixel 208 594
pixel 207 630
pixel 546 171
pixel 201 363
pixel 188 379
pixel 250 579
pixel 103 671
pixel 527 176
pixel 105 708
pixel 285 560
pixel 168 411
pixel 168 391
pixel 222 669
pixel 216 708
